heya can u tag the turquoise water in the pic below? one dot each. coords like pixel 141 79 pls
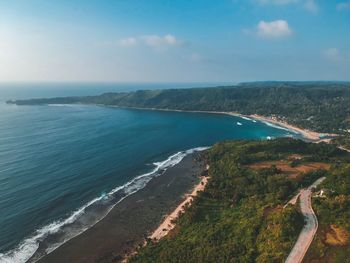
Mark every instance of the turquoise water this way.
pixel 62 168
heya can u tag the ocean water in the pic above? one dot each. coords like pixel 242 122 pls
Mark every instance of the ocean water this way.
pixel 63 167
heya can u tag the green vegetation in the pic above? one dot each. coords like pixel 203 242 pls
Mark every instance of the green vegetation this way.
pixel 319 106
pixel 338 198
pixel 240 216
pixel 333 212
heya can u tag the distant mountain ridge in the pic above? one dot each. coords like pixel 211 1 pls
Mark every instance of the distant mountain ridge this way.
pixel 320 106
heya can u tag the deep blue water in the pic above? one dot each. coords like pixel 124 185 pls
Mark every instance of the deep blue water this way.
pixel 54 160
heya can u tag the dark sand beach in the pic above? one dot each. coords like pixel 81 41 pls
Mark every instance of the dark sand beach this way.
pixel 130 221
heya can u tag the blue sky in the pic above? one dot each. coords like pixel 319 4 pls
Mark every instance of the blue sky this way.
pixel 174 41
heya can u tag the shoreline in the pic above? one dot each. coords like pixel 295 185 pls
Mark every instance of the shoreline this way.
pixel 168 224
pixel 307 134
pixel 129 222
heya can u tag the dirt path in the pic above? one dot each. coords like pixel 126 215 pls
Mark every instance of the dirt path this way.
pixel 292 201
pixel 308 232
pixel 168 224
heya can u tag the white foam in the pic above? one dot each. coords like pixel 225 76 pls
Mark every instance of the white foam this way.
pixel 247 118
pixel 279 127
pixel 56 105
pixel 26 249
pixel 63 105
pixel 239 124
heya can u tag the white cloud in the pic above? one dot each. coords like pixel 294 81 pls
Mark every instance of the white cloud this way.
pixel 334 54
pixel 161 41
pixel 154 41
pixel 343 6
pixel 274 29
pixel 311 6
pixel 128 42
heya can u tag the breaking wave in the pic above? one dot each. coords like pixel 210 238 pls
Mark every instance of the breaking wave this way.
pixel 48 238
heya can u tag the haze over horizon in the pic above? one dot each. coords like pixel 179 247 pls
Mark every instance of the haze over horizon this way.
pixel 168 41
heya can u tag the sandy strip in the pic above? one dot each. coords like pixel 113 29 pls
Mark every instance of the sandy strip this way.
pixel 131 220
pixel 344 149
pixel 168 224
pixel 311 135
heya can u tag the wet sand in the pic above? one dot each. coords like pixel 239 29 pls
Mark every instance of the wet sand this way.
pixel 133 219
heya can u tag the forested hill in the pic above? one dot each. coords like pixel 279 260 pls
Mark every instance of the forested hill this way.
pixel 240 216
pixel 320 106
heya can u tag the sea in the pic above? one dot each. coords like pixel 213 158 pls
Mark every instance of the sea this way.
pixel 64 167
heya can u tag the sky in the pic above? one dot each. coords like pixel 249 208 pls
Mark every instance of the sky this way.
pixel 174 41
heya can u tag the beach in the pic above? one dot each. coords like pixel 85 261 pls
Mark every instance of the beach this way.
pixel 173 205
pixel 310 135
pixel 168 224
pixel 83 177
pixel 132 220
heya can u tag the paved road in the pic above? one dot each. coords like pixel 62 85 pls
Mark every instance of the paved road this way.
pixel 308 232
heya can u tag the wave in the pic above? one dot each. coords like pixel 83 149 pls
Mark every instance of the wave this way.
pixel 62 105
pixel 279 127
pixel 246 118
pixel 50 237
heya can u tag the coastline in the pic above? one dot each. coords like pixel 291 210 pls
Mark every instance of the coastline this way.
pixel 168 224
pixel 130 221
pixel 306 134
pixel 42 247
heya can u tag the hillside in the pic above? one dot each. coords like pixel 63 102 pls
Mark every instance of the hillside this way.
pixel 240 215
pixel 323 107
pixel 332 242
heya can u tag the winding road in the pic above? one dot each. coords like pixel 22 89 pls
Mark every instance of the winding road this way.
pixel 308 232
